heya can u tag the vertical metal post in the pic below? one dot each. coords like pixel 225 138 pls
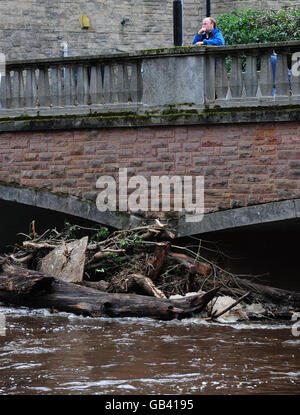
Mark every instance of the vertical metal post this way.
pixel 208 8
pixel 177 23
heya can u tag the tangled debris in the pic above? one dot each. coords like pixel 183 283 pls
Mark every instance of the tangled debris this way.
pixel 160 278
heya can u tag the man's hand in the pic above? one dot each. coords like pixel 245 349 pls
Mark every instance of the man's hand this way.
pixel 199 44
pixel 202 30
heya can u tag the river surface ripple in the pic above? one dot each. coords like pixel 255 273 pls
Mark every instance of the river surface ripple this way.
pixel 54 354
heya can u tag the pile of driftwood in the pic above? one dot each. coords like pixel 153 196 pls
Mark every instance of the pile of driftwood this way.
pixel 140 272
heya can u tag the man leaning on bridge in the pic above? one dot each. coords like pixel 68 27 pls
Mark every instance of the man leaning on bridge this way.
pixel 209 34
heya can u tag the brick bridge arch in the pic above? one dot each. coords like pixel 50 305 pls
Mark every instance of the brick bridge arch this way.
pixel 251 170
pixel 271 212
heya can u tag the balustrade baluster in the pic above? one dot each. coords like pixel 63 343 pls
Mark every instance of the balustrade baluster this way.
pixel 123 83
pixel 221 80
pixel 56 86
pixel 210 77
pixel 30 88
pixel 126 84
pixel 251 78
pixel 18 89
pixel 69 85
pixel 15 89
pixel 5 91
pixel 108 84
pixel 139 81
pixel 44 87
pixel 86 84
pixel 236 80
pixel 82 85
pixel 120 82
pixel 135 83
pixel 281 77
pixel 266 75
pixel 114 83
pixel 93 84
pixel 96 89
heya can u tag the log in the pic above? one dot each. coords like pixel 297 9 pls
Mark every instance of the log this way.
pixel 276 295
pixel 50 292
pixel 41 245
pixel 21 260
pixel 97 285
pixel 136 283
pixel 265 294
pixel 194 304
pixel 158 261
pixel 147 286
pixel 194 267
pixel 107 252
pixel 20 281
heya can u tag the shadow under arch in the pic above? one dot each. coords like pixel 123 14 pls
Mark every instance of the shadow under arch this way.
pixel 67 204
pixel 216 221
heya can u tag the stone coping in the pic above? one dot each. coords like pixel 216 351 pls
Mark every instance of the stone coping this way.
pixel 170 116
pixel 161 52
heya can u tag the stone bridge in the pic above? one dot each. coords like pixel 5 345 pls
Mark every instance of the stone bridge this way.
pixel 188 111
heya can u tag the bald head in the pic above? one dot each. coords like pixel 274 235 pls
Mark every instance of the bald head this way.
pixel 208 24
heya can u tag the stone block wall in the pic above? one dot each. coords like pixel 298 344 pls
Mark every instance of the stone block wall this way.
pixel 242 164
pixel 218 7
pixel 30 29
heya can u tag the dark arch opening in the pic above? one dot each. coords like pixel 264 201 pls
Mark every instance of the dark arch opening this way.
pixel 16 218
pixel 268 250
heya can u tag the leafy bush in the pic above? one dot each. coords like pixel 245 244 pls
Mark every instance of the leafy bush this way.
pixel 260 26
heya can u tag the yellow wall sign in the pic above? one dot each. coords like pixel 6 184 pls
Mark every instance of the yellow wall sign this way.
pixel 84 21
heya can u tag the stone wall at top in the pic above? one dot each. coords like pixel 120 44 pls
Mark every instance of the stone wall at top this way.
pixel 218 7
pixel 36 29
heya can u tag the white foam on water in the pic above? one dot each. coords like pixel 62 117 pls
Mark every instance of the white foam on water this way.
pixel 26 366
pixel 294 343
pixel 39 388
pixel 87 385
pixel 289 374
pixel 126 386
pixel 143 321
pixel 257 325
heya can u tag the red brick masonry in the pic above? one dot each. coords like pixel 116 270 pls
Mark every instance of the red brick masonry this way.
pixel 242 164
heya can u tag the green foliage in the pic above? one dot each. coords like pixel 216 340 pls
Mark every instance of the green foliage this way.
pixel 76 231
pixel 260 26
pixel 100 235
pixel 124 244
pixel 111 262
pixel 71 229
pixel 100 270
pixel 137 240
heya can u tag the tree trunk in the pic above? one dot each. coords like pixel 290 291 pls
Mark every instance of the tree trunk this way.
pixel 276 295
pixel 44 291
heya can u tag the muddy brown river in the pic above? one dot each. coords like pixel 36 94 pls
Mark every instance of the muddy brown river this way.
pixel 55 354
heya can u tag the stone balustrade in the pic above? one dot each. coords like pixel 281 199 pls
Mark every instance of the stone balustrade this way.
pixel 200 77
